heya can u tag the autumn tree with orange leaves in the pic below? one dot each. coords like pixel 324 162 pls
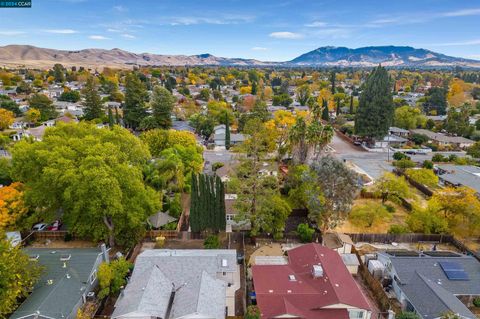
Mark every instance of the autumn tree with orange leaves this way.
pixel 12 206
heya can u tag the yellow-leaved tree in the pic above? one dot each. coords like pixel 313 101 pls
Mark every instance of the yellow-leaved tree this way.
pixel 12 205
pixel 6 119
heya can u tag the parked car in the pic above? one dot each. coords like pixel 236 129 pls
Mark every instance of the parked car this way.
pixel 39 227
pixel 56 225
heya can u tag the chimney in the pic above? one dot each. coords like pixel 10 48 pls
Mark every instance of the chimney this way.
pixel 104 249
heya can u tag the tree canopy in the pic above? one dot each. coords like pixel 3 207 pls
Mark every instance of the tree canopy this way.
pixel 93 175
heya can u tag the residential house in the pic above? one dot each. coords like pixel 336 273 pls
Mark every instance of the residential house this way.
pixel 397 131
pixel 219 136
pixel 231 215
pixel 199 283
pixel 459 175
pixel 69 277
pixel 315 284
pixel 389 140
pixel 445 140
pixel 432 283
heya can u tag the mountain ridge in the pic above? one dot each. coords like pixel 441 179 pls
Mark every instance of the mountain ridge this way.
pixel 327 56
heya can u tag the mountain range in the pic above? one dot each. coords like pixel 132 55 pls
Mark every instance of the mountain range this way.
pixel 392 56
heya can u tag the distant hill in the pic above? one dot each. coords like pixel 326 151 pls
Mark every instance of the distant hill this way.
pixel 394 56
pixel 30 56
pixel 402 56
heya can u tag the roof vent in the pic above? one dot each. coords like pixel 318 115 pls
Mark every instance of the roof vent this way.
pixel 317 271
pixel 65 257
pixel 292 278
pixel 289 291
pixel 224 263
pixel 270 291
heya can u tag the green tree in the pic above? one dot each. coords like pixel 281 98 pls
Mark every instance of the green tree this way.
pixel 436 102
pixel 44 105
pixel 305 233
pixel 375 111
pixel 70 96
pixel 407 315
pixel 303 94
pixel 283 99
pixel 423 176
pixel 392 187
pixel 333 76
pixel 329 203
pixel 112 277
pixel 458 121
pixel 212 242
pixel 408 117
pixel 162 104
pixel 135 101
pixel 367 215
pixel 207 211
pixel 93 175
pixel 19 275
pixel 111 121
pixel 325 111
pixel 8 104
pixel 59 72
pixel 227 133
pixel 474 150
pixel 253 312
pixel 93 104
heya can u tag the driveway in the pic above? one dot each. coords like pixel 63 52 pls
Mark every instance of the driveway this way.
pixel 213 156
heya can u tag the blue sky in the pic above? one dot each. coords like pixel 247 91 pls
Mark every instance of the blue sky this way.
pixel 273 30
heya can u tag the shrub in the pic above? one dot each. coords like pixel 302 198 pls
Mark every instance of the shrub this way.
pixel 305 233
pixel 399 156
pixel 438 158
pixel 476 302
pixel 217 165
pixel 427 164
pixel 407 315
pixel 398 229
pixel 211 242
pixel 423 176
pixel 68 237
pixel 404 163
pixel 252 312
pixel 390 208
pixel 367 215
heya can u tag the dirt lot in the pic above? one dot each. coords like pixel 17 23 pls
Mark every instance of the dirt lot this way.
pixel 47 243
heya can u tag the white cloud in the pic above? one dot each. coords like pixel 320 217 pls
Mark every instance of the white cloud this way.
pixel 462 13
pixel 98 37
pixel 128 36
pixel 316 24
pixel 286 35
pixel 220 20
pixel 120 9
pixel 113 30
pixel 61 31
pixel 474 56
pixel 11 33
pixel 259 49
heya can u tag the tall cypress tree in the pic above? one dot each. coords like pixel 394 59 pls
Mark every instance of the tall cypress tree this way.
pixel 93 103
pixel 110 117
pixel 193 217
pixel 136 97
pixel 162 104
pixel 117 116
pixel 325 112
pixel 375 110
pixel 337 107
pixel 351 104
pixel 227 132
pixel 332 81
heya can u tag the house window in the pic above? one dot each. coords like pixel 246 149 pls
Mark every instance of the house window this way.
pixel 356 314
pixel 93 277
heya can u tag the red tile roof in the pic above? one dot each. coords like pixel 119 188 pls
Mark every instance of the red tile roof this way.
pixel 306 296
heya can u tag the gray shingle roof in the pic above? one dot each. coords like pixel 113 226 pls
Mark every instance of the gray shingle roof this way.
pixel 58 298
pixel 427 287
pixel 465 175
pixel 193 273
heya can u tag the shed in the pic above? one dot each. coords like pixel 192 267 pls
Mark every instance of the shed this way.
pixel 160 219
pixel 352 263
pixel 376 268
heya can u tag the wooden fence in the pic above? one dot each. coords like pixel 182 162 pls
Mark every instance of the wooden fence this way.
pixel 400 238
pixel 168 234
pixel 54 235
pixel 422 188
pixel 379 295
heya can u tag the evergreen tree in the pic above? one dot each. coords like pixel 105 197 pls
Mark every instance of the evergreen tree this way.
pixel 376 109
pixel 117 117
pixel 332 81
pixel 351 104
pixel 325 113
pixel 227 132
pixel 110 117
pixel 207 209
pixel 135 98
pixel 338 106
pixel 254 88
pixel 93 103
pixel 162 105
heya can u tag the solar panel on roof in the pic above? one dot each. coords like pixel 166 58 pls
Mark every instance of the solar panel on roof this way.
pixel 453 270
pixel 441 254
